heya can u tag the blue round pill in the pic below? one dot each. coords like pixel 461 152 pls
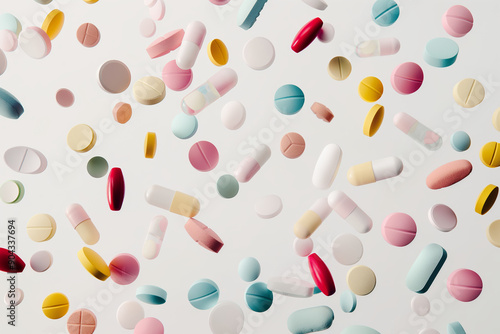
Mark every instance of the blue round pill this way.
pixel 249 269
pixel 289 99
pixel 441 52
pixel 184 126
pixel 460 141
pixel 151 294
pixel 258 297
pixel 203 294
pixel 385 12
pixel 348 301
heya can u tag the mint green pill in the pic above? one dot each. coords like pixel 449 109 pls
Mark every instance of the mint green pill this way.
pixel 184 126
pixel 97 167
pixel 228 186
pixel 348 301
pixel 425 268
pixel 455 328
pixel 309 320
pixel 203 294
pixel 441 52
pixel 359 329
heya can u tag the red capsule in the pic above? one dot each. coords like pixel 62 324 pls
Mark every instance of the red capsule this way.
pixel 321 274
pixel 307 34
pixel 10 262
pixel 116 189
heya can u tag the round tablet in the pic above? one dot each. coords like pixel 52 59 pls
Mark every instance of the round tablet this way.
pixel 428 331
pixel 81 138
pixel 149 325
pixel 184 126
pixel 399 229
pixel 217 52
pixel 303 247
pixel 339 68
pixel 124 269
pixel 147 27
pixel 227 186
pixel 219 2
pixel 407 78
pixel 468 93
pixel 149 90
pixel 490 154
pixel 15 298
pixel 460 141
pixel 12 192
pixel 151 294
pixel 129 313
pixel 258 297
pixel 122 112
pixel 486 199
pixel 268 206
pixel 65 97
pixel 289 99
pixel 94 263
pixel 496 119
pixel 97 167
pixel 258 53
pixel 157 11
pixel 114 76
pixel 203 294
pixel 55 305
pixel 226 318
pixel 203 156
pixel 361 280
pixel 493 233
pixel 35 42
pixel 249 269
pixel 373 120
pixel 443 217
pixel 326 33
pixel 53 23
pixel 464 285
pixel 10 22
pixel 347 249
pixel 3 62
pixel 348 301
pixel 8 40
pixel 370 89
pixel 457 21
pixel 292 145
pixel 441 52
pixel 385 12
pixel 176 78
pixel 420 305
pixel 82 321
pixel 233 115
pixel 41 227
pixel 41 261
pixel 88 35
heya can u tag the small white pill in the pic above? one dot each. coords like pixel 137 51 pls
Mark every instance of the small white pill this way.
pixel 303 247
pixel 347 249
pixel 259 53
pixel 326 33
pixel 41 261
pixel 420 305
pixel 268 206
pixel 233 115
pixel 129 313
pixel 15 297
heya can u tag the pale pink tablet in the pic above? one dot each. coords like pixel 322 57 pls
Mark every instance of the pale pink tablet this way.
pixel 114 76
pixel 147 27
pixel 322 112
pixel 457 21
pixel 176 78
pixel 443 217
pixel 166 43
pixel 303 247
pixel 65 97
pixel 82 321
pixel 203 235
pixel 448 174
pixel 8 40
pixel 219 2
pixel 41 261
pixel 203 156
pixel 399 229
pixel 150 3
pixel 465 285
pixel 88 35
pixel 124 269
pixel 407 78
pixel 35 42
pixel 149 326
pixel 157 11
pixel 122 112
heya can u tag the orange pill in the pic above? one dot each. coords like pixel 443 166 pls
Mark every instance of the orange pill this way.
pixel 292 145
pixel 122 112
pixel 88 35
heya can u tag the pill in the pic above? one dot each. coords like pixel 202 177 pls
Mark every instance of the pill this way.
pixel 347 249
pixel 97 167
pixel 173 201
pixel 486 199
pixel 10 22
pixel 147 27
pixel 249 166
pixel 115 189
pixel 407 78
pixel 215 87
pixel 292 145
pixel 203 156
pixel 12 191
pixel 191 44
pixel 81 138
pixel 399 229
pixel 90 1
pixel 322 112
pixel 41 261
pixel 258 297
pixel 326 33
pixel 321 274
pixel 129 313
pixel 25 160
pixel 268 206
pixel 166 43
pixel 149 325
pixel 151 294
pixel 290 286
pixel 175 78
pixel 184 126
pixel 441 52
pixel 373 120
pixel 122 112
pixel 303 247
pixel 359 329
pixel 259 53
pixel 88 35
pixel 375 170
pixel 8 40
pixel 249 269
pixel 154 239
pixel 203 294
pixel 378 47
pixel 203 235
pixel 327 166
pixel 53 23
pixel 468 93
pixel 81 321
pixel 226 318
pixel 3 67
pixel 41 227
pixel 457 21
pixel 460 141
pixel 306 34
pixel 339 68
pixel 94 263
pixel 428 331
pixel 464 285
pixel 495 119
pixel 55 305
pixel 81 222
pixel 157 11
pixel 420 305
pixel 490 154
pixel 227 186
pixel 289 99
pixel 217 52
pixel 219 2
pixel 443 217
pixel 308 320
pixel 150 145
pixel 318 4
pixel 35 42
pixel 425 268
pixel 448 174
pixel 385 12
pixel 65 97
pixel 10 262
pixel 14 297
pixel 124 269
pixel 348 301
pixel 370 89
pixel 455 328
pixel 361 280
pixel 248 12
pixel 114 77
pixel 10 107
pixel 233 115
pixel 312 218
pixel 493 233
pixel 149 90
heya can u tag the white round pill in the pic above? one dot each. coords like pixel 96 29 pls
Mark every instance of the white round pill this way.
pixel 347 249
pixel 129 313
pixel 8 40
pixel 420 305
pixel 41 261
pixel 443 217
pixel 303 247
pixel 3 62
pixel 147 27
pixel 16 297
pixel 326 33
pixel 12 192
pixel 233 115
pixel 268 206
pixel 35 42
pixel 226 318
pixel 258 53
pixel 428 331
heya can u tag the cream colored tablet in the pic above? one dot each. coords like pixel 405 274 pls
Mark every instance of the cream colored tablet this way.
pixel 81 138
pixel 468 93
pixel 361 280
pixel 41 227
pixel 339 68
pixel 149 90
pixel 493 233
pixel 496 119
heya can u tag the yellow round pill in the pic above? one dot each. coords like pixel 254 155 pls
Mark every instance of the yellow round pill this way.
pixel 53 23
pixel 339 68
pixel 493 233
pixel 90 1
pixel 150 145
pixel 486 199
pixel 81 138
pixel 94 263
pixel 149 90
pixel 55 305
pixel 370 89
pixel 361 280
pixel 490 154
pixel 41 227
pixel 217 52
pixel 373 120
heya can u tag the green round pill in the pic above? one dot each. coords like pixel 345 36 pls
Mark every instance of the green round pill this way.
pixel 97 167
pixel 228 186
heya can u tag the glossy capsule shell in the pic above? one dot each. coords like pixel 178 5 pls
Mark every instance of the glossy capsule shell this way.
pixel 375 170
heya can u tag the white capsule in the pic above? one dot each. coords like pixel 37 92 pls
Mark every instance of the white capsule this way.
pixel 154 239
pixel 348 210
pixel 252 163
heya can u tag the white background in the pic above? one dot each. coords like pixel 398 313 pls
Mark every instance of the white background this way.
pixel 45 124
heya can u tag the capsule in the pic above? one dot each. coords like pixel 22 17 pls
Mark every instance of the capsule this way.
pixel 312 219
pixel 154 239
pixel 346 208
pixel 375 170
pixel 378 47
pixel 82 224
pixel 191 44
pixel 252 163
pixel 173 201
pixel 417 131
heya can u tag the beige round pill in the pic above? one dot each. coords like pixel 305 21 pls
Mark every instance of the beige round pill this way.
pixel 468 93
pixel 361 280
pixel 149 90
pixel 41 227
pixel 81 138
pixel 493 233
pixel 496 119
pixel 339 68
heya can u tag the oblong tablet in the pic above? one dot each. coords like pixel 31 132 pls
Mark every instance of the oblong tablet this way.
pixel 307 34
pixel 308 320
pixel 25 160
pixel 441 52
pixel 94 263
pixel 290 286
pixel 443 217
pixel 35 42
pixel 359 329
pixel 10 262
pixel 321 274
pixel 114 76
pixel 10 107
pixel 327 166
pixel 166 43
pixel 425 268
pixel 486 199
pixel 203 235
pixel 226 318
pixel 448 174
pixel 115 189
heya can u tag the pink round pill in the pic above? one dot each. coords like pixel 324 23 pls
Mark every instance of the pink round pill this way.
pixel 219 2
pixel 124 269
pixel 88 35
pixel 465 285
pixel 149 326
pixel 399 229
pixel 8 40
pixel 203 156
pixel 157 11
pixel 147 27
pixel 303 247
pixel 457 21
pixel 407 78
pixel 176 78
pixel 65 97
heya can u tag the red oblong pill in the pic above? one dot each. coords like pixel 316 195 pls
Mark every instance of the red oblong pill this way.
pixel 321 274
pixel 306 34
pixel 10 262
pixel 116 189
